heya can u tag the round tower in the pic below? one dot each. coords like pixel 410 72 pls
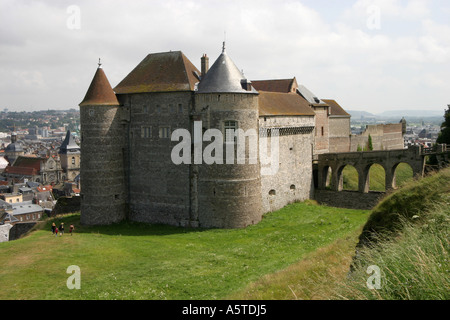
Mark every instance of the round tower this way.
pixel 229 189
pixel 102 174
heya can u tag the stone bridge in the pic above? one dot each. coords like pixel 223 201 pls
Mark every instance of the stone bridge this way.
pixel 362 161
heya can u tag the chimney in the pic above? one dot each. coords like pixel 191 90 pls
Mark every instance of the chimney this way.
pixel 246 85
pixel 205 64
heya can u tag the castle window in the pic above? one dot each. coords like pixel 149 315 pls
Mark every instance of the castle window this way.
pixel 322 131
pixel 73 160
pixel 292 186
pixel 272 192
pixel 171 108
pixel 158 108
pixel 230 126
pixel 164 132
pixel 180 108
pixel 91 112
pixel 146 132
pixel 145 109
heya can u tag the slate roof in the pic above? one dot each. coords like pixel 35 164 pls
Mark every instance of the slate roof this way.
pixel 100 92
pixel 223 77
pixel 283 104
pixel 69 146
pixel 14 147
pixel 26 207
pixel 161 72
pixel 309 96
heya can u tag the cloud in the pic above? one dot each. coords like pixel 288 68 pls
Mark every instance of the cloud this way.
pixel 47 64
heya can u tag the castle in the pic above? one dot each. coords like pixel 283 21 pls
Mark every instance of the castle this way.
pixel 127 169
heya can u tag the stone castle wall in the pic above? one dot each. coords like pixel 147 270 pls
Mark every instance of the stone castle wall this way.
pixel 159 190
pixel 348 199
pixel 339 134
pixel 292 181
pixel 384 137
pixel 321 139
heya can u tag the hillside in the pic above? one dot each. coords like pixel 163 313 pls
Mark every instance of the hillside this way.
pixel 140 261
pixel 412 247
pixel 414 198
pixel 303 251
pixel 407 238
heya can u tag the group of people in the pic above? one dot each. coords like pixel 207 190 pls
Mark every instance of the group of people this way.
pixel 60 230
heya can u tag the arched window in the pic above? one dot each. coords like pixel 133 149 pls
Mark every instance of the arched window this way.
pixel 73 160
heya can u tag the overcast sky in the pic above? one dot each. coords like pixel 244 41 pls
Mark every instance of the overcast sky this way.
pixel 370 55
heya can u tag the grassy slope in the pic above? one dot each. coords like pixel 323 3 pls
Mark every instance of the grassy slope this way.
pixel 411 231
pixel 414 264
pixel 318 276
pixel 138 261
pixel 412 199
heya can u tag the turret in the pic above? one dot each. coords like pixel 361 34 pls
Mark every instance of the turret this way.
pixel 103 194
pixel 229 193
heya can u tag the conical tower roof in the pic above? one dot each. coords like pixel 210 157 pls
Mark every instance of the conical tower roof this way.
pixel 100 92
pixel 223 77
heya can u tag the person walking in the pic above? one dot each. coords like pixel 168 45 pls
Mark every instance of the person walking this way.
pixel 56 232
pixel 53 228
pixel 71 228
pixel 61 228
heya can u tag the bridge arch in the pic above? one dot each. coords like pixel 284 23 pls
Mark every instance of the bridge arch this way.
pixel 401 172
pixel 348 178
pixel 378 172
pixel 363 162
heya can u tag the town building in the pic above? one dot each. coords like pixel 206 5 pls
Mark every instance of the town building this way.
pixel 69 154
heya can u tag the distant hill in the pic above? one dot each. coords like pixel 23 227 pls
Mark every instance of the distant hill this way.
pixel 357 114
pixel 397 114
pixel 412 113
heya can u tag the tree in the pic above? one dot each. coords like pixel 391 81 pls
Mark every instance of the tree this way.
pixel 369 143
pixel 444 135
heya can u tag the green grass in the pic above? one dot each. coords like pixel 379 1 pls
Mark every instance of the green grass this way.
pixel 318 276
pixel 407 237
pixel 409 233
pixel 415 197
pixel 413 265
pixel 140 261
pixel 377 174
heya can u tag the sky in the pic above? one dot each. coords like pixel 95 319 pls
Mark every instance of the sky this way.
pixel 368 55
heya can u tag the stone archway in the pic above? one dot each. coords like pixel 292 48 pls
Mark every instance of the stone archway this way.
pixel 363 161
pixel 348 177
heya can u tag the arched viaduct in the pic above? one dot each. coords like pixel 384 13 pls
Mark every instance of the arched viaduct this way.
pixel 362 161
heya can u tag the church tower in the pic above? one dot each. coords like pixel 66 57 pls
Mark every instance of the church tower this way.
pixel 103 188
pixel 69 153
pixel 229 193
